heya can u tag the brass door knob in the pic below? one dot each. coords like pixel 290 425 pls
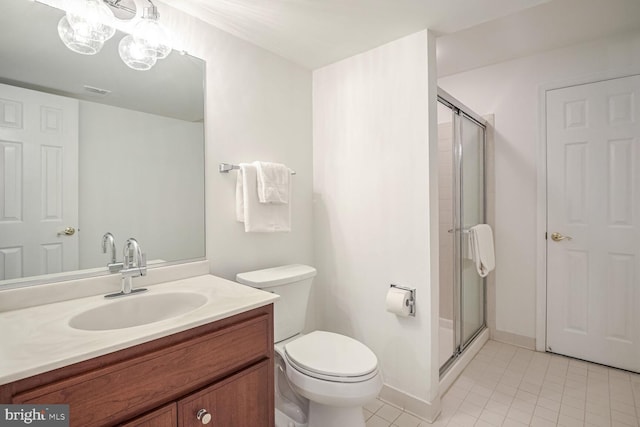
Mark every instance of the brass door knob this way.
pixel 557 237
pixel 69 231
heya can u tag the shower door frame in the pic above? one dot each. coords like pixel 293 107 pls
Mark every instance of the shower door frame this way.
pixel 462 111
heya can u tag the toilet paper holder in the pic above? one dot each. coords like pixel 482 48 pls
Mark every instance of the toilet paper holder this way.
pixel 412 298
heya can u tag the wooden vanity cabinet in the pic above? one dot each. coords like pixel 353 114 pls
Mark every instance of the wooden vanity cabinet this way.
pixel 224 368
pixel 167 416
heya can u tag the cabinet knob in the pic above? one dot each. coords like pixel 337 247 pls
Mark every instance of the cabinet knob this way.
pixel 203 416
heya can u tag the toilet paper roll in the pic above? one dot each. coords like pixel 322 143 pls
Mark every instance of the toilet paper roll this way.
pixel 398 302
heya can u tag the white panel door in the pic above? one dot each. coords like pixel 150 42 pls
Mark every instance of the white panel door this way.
pixel 38 183
pixel 593 190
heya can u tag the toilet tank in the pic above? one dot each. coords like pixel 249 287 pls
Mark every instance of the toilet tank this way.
pixel 293 284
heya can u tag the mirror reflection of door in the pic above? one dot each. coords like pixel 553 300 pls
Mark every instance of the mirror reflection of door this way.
pixel 38 183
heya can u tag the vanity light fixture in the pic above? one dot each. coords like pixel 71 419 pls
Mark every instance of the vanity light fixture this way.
pixel 87 24
pixel 147 43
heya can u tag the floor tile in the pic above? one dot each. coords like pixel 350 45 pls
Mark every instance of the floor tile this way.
pixel 541 422
pixel 376 421
pixel 388 412
pixel 509 386
pixel 491 417
pixel 406 420
pixel 374 405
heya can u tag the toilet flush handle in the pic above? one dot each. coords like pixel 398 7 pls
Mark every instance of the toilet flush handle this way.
pixel 203 416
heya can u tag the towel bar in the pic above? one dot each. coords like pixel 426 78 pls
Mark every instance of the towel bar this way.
pixel 226 167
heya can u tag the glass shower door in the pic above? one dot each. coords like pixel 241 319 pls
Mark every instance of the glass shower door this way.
pixel 472 212
pixel 461 145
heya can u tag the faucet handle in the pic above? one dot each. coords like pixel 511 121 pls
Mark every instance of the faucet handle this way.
pixel 115 267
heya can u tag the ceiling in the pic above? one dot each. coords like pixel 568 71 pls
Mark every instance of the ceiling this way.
pixel 472 33
pixel 314 33
pixel 548 26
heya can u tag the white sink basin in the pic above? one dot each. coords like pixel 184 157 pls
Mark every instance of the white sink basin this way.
pixel 137 310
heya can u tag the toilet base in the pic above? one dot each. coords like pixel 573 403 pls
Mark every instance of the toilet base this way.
pixel 335 416
pixel 283 420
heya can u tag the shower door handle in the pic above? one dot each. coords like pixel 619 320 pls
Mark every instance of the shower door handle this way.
pixel 557 237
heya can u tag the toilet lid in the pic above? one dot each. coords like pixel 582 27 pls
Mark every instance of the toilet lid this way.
pixel 325 354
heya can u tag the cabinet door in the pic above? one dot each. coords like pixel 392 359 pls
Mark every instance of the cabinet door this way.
pixel 242 400
pixel 167 416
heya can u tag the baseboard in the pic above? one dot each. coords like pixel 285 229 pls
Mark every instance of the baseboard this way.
pixel 514 339
pixel 429 411
pixel 426 411
pixel 465 358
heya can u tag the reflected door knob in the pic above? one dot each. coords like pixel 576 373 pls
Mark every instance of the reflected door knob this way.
pixel 557 237
pixel 203 416
pixel 69 231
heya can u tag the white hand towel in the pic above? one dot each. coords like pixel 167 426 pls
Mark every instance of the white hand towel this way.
pixel 256 216
pixel 240 193
pixel 273 182
pixel 482 248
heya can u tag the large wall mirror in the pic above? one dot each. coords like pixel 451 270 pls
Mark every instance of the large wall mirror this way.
pixel 90 146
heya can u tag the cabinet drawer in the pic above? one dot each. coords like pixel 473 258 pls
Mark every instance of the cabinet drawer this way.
pixel 115 393
pixel 167 416
pixel 239 401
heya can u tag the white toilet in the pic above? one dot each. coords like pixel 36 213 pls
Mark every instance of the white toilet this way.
pixel 331 373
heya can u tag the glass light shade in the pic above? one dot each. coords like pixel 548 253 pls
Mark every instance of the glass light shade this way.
pixel 149 33
pixel 135 55
pixel 91 19
pixel 76 41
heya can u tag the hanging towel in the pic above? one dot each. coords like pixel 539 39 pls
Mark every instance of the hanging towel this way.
pixel 256 216
pixel 482 251
pixel 273 182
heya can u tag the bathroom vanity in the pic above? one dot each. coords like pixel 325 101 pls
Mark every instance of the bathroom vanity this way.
pixel 213 367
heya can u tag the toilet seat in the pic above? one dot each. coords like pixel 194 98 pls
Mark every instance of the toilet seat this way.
pixel 331 357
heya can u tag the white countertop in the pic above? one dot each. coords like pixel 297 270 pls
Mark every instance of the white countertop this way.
pixel 38 339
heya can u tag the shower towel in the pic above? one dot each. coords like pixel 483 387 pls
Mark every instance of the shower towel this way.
pixel 256 216
pixel 273 182
pixel 482 248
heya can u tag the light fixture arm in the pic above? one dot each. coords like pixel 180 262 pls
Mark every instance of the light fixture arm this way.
pixel 150 12
pixel 117 5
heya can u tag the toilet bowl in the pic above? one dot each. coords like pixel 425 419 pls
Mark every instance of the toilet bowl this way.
pixel 336 373
pixel 331 373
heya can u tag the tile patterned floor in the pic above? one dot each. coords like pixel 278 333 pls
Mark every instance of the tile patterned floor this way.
pixel 510 386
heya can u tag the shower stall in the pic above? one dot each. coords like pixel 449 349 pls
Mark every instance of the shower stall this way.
pixel 462 204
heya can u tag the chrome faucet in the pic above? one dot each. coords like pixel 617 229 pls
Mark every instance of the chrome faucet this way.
pixel 134 264
pixel 108 242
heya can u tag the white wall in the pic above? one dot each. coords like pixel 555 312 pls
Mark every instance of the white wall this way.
pixel 511 90
pixel 371 205
pixel 146 156
pixel 258 107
